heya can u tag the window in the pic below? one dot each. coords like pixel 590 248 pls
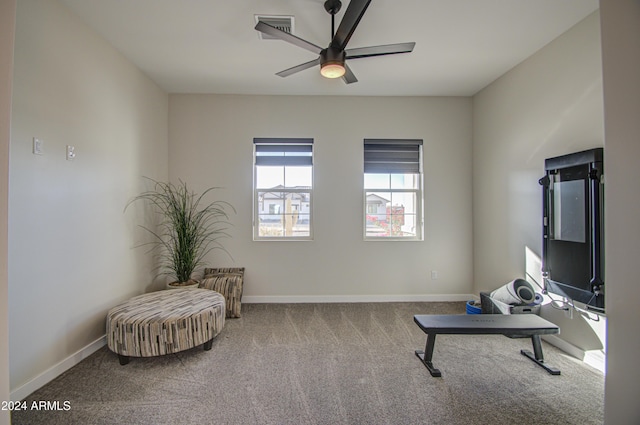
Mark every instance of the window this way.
pixel 283 189
pixel 393 189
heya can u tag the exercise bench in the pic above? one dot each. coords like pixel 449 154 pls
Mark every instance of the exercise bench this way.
pixel 510 325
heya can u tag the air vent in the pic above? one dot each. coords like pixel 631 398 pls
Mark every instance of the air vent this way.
pixel 284 23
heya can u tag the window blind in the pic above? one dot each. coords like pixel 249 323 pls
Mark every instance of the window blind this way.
pixel 279 152
pixel 392 156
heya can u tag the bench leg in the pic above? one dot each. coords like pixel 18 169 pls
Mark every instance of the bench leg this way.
pixel 537 356
pixel 123 359
pixel 426 356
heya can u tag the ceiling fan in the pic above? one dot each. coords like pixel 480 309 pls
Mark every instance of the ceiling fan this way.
pixel 332 60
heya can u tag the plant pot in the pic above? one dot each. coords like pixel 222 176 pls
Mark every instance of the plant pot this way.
pixel 191 284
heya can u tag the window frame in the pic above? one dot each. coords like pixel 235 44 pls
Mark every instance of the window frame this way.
pixel 284 143
pixel 395 167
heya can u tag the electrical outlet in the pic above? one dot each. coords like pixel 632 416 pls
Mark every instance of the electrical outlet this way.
pixel 434 274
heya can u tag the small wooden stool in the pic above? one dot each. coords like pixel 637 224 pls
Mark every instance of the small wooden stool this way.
pixel 165 322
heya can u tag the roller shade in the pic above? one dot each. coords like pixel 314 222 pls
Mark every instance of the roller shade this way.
pixel 279 152
pixel 392 156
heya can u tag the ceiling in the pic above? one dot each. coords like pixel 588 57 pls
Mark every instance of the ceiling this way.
pixel 210 46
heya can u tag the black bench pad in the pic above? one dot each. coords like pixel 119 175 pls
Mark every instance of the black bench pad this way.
pixel 512 325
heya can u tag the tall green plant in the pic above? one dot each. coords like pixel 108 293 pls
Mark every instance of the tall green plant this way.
pixel 189 227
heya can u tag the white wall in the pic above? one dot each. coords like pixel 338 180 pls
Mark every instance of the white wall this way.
pixel 70 245
pixel 549 105
pixel 7 27
pixel 620 22
pixel 210 144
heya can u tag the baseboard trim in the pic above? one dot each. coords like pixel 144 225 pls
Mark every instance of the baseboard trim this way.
pixel 39 381
pixel 284 299
pixel 595 358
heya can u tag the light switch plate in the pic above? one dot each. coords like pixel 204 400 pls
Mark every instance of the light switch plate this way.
pixel 38 146
pixel 71 152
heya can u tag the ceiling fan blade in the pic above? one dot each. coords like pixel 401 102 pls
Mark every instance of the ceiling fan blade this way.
pixel 388 49
pixel 285 36
pixel 349 22
pixel 298 68
pixel 349 77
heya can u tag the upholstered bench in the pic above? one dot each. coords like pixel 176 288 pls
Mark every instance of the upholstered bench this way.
pixel 165 322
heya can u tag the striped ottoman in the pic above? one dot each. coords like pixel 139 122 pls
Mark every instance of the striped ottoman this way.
pixel 165 322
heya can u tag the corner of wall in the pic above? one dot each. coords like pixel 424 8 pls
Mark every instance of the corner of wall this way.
pixel 7 33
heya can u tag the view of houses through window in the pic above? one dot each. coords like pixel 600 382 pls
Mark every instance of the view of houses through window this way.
pixel 392 205
pixel 283 182
pixel 393 189
pixel 283 189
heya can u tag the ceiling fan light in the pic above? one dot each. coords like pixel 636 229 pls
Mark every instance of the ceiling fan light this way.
pixel 332 70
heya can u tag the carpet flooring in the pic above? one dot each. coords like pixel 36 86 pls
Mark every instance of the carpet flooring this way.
pixel 328 364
